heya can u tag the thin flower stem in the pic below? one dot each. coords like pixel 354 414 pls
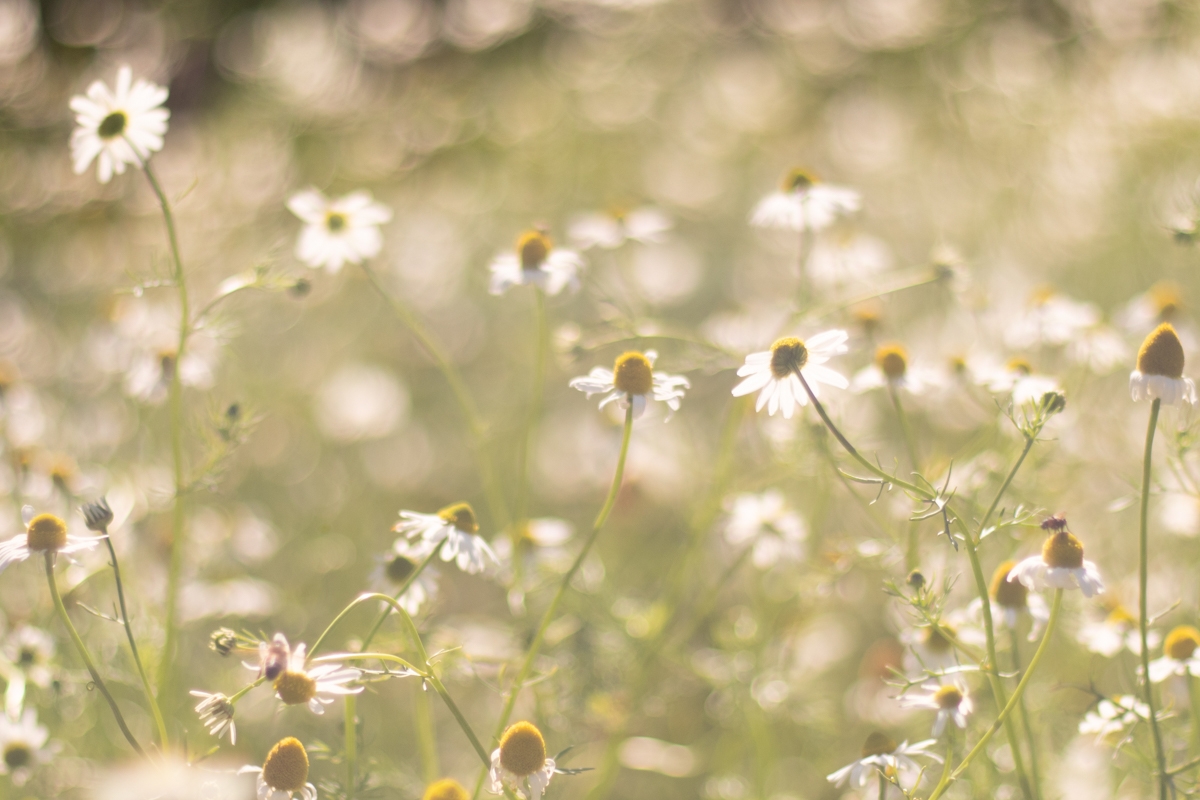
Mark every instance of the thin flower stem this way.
pixel 1194 699
pixel 350 722
pixel 883 784
pixel 1185 766
pixel 910 444
pixel 462 396
pixel 87 658
pixel 541 346
pixel 426 736
pixel 1034 772
pixel 946 780
pixel 1143 620
pixel 924 277
pixel 245 690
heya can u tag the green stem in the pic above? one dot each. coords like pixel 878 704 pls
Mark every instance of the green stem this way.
pixel 910 444
pixel 245 690
pixel 1034 772
pixel 1194 699
pixel 426 736
pixel 883 784
pixel 351 724
pixel 541 347
pixel 1143 617
pixel 87 658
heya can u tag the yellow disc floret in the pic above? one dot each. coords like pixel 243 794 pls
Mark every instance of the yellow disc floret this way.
pixel 948 697
pixel 533 247
pixel 286 767
pixel 335 221
pixel 446 789
pixel 1181 642
pixel 461 516
pixel 522 749
pixel 892 361
pixel 878 744
pixel 633 374
pixel 1006 593
pixel 1019 365
pixel 47 533
pixel 798 179
pixel 1063 550
pixel 1161 353
pixel 788 355
pixel 1119 615
pixel 295 688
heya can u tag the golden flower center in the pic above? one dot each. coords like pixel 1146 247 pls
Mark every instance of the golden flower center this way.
pixel 17 755
pixel 1006 593
pixel 1019 365
pixel 295 688
pixel 1063 550
pixel 1167 299
pixel 788 355
pixel 633 374
pixel 335 221
pixel 286 767
pixel 46 533
pixel 1161 353
pixel 445 789
pixel 938 638
pixel 798 179
pixel 948 697
pixel 878 744
pixel 1181 642
pixel 1120 616
pixel 892 360
pixel 113 125
pixel 533 247
pixel 461 516
pixel 400 568
pixel 522 749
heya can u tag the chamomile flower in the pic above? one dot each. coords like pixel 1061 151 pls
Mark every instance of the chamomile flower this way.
pixel 284 773
pixel 776 372
pixel 951 701
pixel 216 714
pixel 614 228
pixel 932 645
pixel 45 533
pixel 119 128
pixel 892 368
pixel 1114 716
pixel 1117 631
pixel 22 746
pixel 1162 302
pixel 777 531
pixel 531 552
pixel 803 203
pixel 446 789
pixel 838 259
pixel 396 567
pixel 880 753
pixel 631 380
pixel 456 526
pixel 297 684
pixel 1179 655
pixel 30 651
pixel 1159 373
pixel 1049 318
pixel 337 232
pixel 1060 565
pixel 1017 379
pixel 520 762
pixel 535 261
pixel 1011 599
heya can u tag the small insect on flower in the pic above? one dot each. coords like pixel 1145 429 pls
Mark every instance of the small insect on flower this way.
pixel 777 371
pixel 284 773
pixel 1179 655
pixel 446 789
pixel 804 203
pixel 22 746
pixel 395 569
pixel 1159 373
pixel 216 714
pixel 950 700
pixel 520 762
pixel 535 261
pixel 46 533
pixel 121 127
pixel 295 683
pixel 456 526
pixel 615 227
pixel 880 753
pixel 631 380
pixel 1060 566
pixel 340 231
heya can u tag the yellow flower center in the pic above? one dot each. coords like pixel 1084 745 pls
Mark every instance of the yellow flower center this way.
pixel 788 355
pixel 632 374
pixel 948 697
pixel 1041 295
pixel 1119 615
pixel 399 568
pixel 522 749
pixel 335 221
pixel 1161 353
pixel 461 516
pixel 286 767
pixel 938 638
pixel 1019 365
pixel 295 688
pixel 533 247
pixel 868 314
pixel 892 360
pixel 1063 550
pixel 878 744
pixel 445 789
pixel 17 755
pixel 1181 642
pixel 113 125
pixel 798 179
pixel 46 533
pixel 1167 299
pixel 1006 593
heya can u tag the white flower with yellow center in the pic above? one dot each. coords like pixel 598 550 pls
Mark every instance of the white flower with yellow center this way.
pixel 535 261
pixel 932 645
pixel 1159 373
pixel 22 746
pixel 803 203
pixel 610 230
pixel 880 753
pixel 631 380
pixel 777 531
pixel 520 762
pixel 396 567
pixel 1162 302
pixel 30 651
pixel 1049 318
pixel 892 368
pixel 1112 717
pixel 121 127
pixel 284 773
pixel 45 533
pixel 337 232
pixel 1011 600
pixel 297 684
pixel 216 714
pixel 1179 655
pixel 1116 632
pixel 1060 566
pixel 446 789
pixel 776 372
pixel 457 527
pixel 950 700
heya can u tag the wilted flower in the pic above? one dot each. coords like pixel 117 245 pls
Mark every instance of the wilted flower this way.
pixel 456 526
pixel 121 127
pixel 216 714
pixel 776 371
pixel 535 261
pixel 520 762
pixel 631 380
pixel 337 232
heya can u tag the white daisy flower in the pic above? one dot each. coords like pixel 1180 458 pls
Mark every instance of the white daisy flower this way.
pixel 1114 716
pixel 610 230
pixel 841 259
pixel 804 203
pixel 144 345
pixel 1060 566
pixel 296 684
pixel 216 714
pixel 520 762
pixel 30 650
pixel 777 531
pixel 932 645
pixel 121 127
pixel 1116 632
pixel 337 232
pixel 22 746
pixel 776 371
pixel 1011 599
pixel 1049 318
pixel 396 567
pixel 1179 655
pixel 951 701
pixel 880 753
pixel 630 380
pixel 535 261
pixel 891 367
pixel 1162 302
pixel 1159 373
pixel 46 533
pixel 457 526
pixel 284 773
pixel 1015 378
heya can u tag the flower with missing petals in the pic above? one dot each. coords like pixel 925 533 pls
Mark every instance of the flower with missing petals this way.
pixel 804 203
pixel 284 773
pixel 880 753
pixel 457 527
pixel 535 260
pixel 1060 566
pixel 1013 599
pixel 520 762
pixel 216 714
pixel 46 533
pixel 119 128
pixel 631 380
pixel 776 372
pixel 1159 373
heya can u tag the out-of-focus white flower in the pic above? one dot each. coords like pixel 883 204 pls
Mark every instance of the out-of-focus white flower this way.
pixel 1162 302
pixel 1159 373
pixel 337 232
pixel 1012 598
pixel 537 548
pixel 1116 632
pixel 776 371
pixel 216 714
pixel 1060 566
pixel 647 225
pixel 284 773
pixel 121 127
pixel 22 746
pixel 837 260
pixel 804 203
pixel 1179 655
pixel 1180 513
pixel 1049 318
pixel 520 762
pixel 631 380
pixel 30 650
pixel 296 684
pixel 777 531
pixel 933 645
pixel 891 367
pixel 1111 717
pixel 144 345
pixel 396 568
pixel 456 525
pixel 1015 378
pixel 880 753
pixel 1099 348
pixel 535 261
pixel 171 777
pixel 45 533
pixel 951 701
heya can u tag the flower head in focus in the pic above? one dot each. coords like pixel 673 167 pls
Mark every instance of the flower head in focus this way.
pixel 45 533
pixel 804 203
pixel 777 531
pixel 457 527
pixel 1060 565
pixel 535 260
pixel 395 569
pixel 337 232
pixel 121 127
pixel 520 762
pixel 296 683
pixel 950 700
pixel 1159 373
pixel 1179 655
pixel 22 746
pixel 880 753
pixel 216 714
pixel 615 227
pixel 284 773
pixel 776 372
pixel 631 380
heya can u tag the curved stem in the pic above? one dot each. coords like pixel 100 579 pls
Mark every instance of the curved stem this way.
pixel 883 784
pixel 1143 617
pixel 87 658
pixel 541 346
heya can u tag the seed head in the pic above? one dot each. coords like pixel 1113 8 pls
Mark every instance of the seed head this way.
pixel 798 179
pixel 788 356
pixel 633 374
pixel 1161 353
pixel 1063 550
pixel 286 767
pixel 1006 593
pixel 948 697
pixel 98 515
pixel 522 749
pixel 461 516
pixel 892 361
pixel 878 743
pixel 533 247
pixel 1182 642
pixel 223 641
pixel 47 533
pixel 446 789
pixel 295 688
